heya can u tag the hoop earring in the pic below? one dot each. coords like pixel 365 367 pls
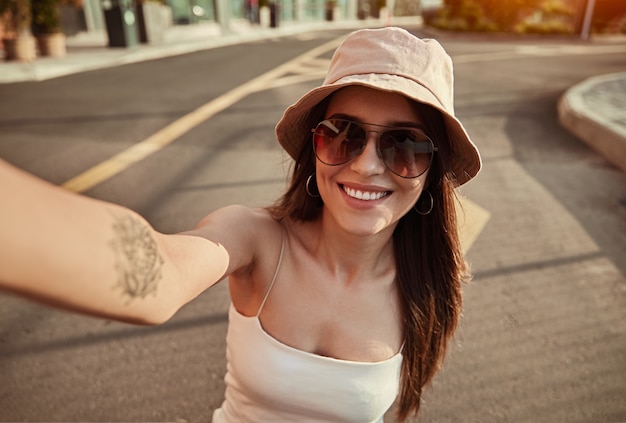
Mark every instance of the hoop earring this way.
pixel 431 205
pixel 308 190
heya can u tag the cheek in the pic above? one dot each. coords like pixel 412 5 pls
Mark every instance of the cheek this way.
pixel 416 187
pixel 323 175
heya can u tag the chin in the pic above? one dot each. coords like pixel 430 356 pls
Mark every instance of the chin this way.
pixel 363 226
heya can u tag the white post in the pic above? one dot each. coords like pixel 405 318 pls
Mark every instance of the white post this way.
pixel 351 9
pixel 223 15
pixel 298 6
pixel 391 4
pixel 587 20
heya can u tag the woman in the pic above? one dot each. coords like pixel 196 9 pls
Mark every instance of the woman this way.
pixel 344 293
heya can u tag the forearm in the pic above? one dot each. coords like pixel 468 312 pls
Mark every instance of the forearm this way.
pixel 80 253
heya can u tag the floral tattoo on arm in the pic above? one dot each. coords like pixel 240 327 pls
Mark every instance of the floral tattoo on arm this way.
pixel 137 259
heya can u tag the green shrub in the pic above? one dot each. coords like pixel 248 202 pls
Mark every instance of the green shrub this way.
pixel 46 16
pixel 16 16
pixel 463 15
pixel 544 27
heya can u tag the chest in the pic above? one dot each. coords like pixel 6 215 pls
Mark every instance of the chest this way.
pixel 313 312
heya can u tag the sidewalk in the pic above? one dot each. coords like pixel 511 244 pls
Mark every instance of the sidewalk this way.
pixel 89 51
pixel 594 110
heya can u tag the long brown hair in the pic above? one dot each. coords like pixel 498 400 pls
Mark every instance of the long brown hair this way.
pixel 430 267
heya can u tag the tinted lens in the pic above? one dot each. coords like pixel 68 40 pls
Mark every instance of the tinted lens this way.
pixel 338 141
pixel 406 152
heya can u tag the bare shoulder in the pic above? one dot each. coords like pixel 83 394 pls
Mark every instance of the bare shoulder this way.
pixel 239 220
pixel 244 232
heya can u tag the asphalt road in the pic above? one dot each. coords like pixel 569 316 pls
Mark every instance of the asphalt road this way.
pixel 543 337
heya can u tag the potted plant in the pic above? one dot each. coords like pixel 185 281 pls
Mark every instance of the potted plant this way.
pixel 17 39
pixel 47 27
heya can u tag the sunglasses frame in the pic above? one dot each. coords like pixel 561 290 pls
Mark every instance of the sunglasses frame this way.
pixel 378 150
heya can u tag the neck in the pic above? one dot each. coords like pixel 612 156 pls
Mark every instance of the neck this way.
pixel 354 257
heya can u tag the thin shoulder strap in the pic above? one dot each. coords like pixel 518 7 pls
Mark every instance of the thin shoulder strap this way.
pixel 280 260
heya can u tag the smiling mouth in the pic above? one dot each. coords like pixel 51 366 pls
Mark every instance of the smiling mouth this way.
pixel 364 195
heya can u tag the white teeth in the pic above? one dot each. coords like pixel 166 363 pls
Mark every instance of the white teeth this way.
pixel 364 195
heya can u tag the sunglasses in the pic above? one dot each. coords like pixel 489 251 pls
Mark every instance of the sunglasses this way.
pixel 405 151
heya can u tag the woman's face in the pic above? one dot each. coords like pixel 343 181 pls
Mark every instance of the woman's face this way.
pixel 362 196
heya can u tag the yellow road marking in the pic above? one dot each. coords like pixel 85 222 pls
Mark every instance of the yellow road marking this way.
pixel 176 129
pixel 472 219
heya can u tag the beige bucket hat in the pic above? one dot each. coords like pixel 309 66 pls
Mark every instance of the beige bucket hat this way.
pixel 388 59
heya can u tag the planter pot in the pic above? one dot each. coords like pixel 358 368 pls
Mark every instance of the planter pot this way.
pixel 52 45
pixel 330 11
pixel 21 48
pixel 153 21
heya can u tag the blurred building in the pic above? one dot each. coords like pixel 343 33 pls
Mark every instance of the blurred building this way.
pixel 89 16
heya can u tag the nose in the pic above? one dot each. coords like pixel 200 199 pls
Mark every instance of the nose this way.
pixel 369 163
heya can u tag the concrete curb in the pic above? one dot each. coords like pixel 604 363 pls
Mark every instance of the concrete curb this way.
pixel 590 111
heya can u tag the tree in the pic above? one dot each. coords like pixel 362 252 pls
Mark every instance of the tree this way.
pixel 507 13
pixel 502 15
pixel 608 13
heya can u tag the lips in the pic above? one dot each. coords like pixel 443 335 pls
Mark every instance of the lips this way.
pixel 364 195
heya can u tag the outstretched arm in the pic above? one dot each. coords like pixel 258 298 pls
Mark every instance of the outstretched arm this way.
pixel 95 257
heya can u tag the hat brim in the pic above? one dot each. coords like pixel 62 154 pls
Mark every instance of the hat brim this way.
pixel 295 126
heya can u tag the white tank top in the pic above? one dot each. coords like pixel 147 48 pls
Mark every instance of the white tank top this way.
pixel 269 381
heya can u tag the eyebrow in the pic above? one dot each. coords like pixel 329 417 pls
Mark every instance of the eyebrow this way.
pixel 404 124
